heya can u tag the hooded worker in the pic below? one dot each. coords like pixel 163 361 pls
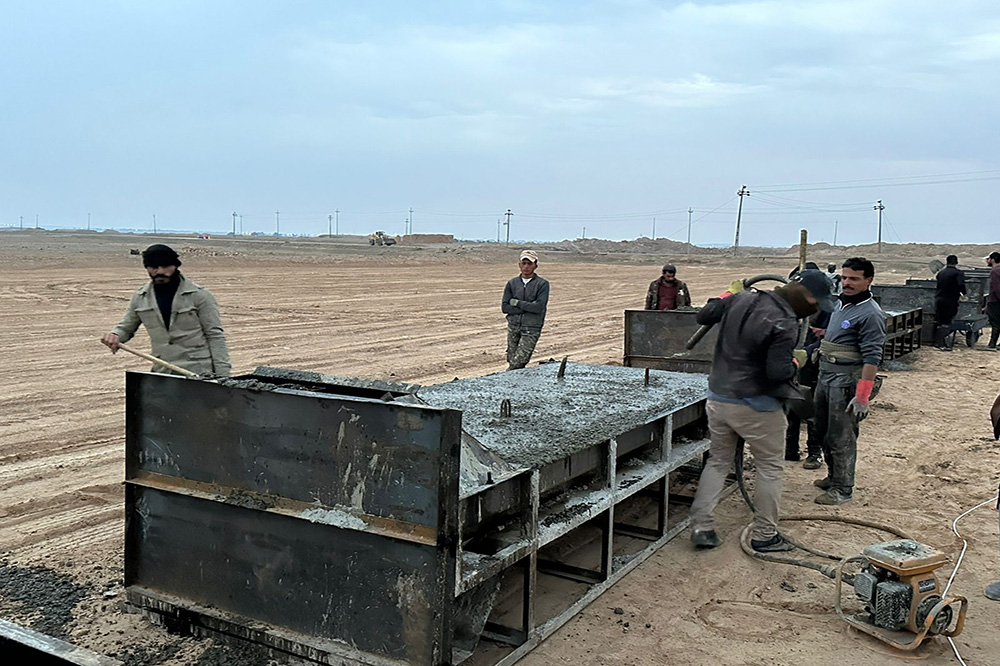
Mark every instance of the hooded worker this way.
pixel 754 361
pixel 525 300
pixel 181 318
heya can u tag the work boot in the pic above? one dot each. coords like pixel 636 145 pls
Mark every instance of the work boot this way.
pixel 812 462
pixel 823 484
pixel 775 544
pixel 793 457
pixel 705 539
pixel 833 496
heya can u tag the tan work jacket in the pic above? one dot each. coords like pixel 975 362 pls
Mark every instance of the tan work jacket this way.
pixel 195 340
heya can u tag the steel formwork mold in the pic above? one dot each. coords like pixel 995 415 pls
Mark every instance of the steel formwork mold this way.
pixel 304 514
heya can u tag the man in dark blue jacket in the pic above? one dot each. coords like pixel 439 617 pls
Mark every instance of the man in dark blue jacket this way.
pixel 754 360
pixel 525 299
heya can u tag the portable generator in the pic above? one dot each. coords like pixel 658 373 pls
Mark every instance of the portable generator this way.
pixel 902 600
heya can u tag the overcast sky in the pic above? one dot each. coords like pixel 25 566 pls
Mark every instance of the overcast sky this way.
pixel 577 114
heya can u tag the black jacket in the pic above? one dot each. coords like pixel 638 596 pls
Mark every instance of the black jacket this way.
pixel 950 283
pixel 753 353
pixel 533 300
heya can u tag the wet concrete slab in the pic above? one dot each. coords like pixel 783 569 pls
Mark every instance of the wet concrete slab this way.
pixel 552 418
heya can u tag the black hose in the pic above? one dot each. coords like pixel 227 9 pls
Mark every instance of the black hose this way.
pixel 747 283
pixel 825 569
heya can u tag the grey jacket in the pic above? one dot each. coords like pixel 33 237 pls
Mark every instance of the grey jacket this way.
pixel 195 340
pixel 753 353
pixel 533 300
pixel 859 325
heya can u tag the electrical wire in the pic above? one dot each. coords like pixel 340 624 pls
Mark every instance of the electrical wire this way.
pixel 878 182
pixel 961 557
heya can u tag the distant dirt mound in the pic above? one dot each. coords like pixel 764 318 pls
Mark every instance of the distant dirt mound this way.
pixel 194 251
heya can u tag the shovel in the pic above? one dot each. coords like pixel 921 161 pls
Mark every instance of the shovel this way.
pixel 169 366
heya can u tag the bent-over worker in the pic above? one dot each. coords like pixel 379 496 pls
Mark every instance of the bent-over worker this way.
pixel 181 318
pixel 754 360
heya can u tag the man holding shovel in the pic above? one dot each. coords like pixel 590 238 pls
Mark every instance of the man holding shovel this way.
pixel 181 317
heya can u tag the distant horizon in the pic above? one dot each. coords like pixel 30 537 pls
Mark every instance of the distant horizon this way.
pixel 265 235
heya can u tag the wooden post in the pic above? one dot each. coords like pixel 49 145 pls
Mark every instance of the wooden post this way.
pixel 803 242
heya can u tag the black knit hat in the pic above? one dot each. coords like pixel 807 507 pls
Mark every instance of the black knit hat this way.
pixel 819 286
pixel 160 255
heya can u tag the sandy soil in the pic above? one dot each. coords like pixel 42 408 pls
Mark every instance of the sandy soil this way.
pixel 426 315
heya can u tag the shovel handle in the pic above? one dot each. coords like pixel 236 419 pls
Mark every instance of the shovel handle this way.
pixel 169 366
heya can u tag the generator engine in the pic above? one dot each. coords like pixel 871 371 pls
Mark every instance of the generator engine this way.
pixel 898 586
pixel 901 594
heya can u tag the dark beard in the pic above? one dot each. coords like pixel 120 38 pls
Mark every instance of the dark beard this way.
pixel 170 284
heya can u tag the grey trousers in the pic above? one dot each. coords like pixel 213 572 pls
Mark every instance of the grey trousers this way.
pixel 838 432
pixel 764 433
pixel 521 345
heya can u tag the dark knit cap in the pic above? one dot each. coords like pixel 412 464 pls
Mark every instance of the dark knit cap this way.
pixel 160 255
pixel 819 286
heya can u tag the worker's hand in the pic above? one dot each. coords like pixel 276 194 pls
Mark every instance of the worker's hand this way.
pixel 857 410
pixel 963 297
pixel 514 302
pixel 112 341
pixel 858 406
pixel 800 356
pixel 818 332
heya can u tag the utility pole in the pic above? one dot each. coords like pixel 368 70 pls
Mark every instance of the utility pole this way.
pixel 329 226
pixel 410 221
pixel 690 210
pixel 654 228
pixel 336 219
pixel 508 214
pixel 584 236
pixel 879 207
pixel 744 192
pixel 36 220
pixel 836 225
pixel 20 224
pixel 241 225
pixel 154 223
pixel 277 223
pixel 88 221
pixel 499 224
pixel 234 222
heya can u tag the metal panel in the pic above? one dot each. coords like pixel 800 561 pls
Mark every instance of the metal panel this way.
pixel 379 595
pixel 329 516
pixel 656 338
pixel 20 645
pixel 314 448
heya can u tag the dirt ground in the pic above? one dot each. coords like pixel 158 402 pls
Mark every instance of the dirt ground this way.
pixel 427 315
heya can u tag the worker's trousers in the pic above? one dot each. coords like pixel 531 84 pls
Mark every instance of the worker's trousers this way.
pixel 764 434
pixel 521 345
pixel 993 312
pixel 837 430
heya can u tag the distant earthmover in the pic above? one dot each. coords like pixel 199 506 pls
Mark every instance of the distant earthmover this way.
pixel 381 238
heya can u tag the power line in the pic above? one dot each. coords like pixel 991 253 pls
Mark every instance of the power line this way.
pixel 880 180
